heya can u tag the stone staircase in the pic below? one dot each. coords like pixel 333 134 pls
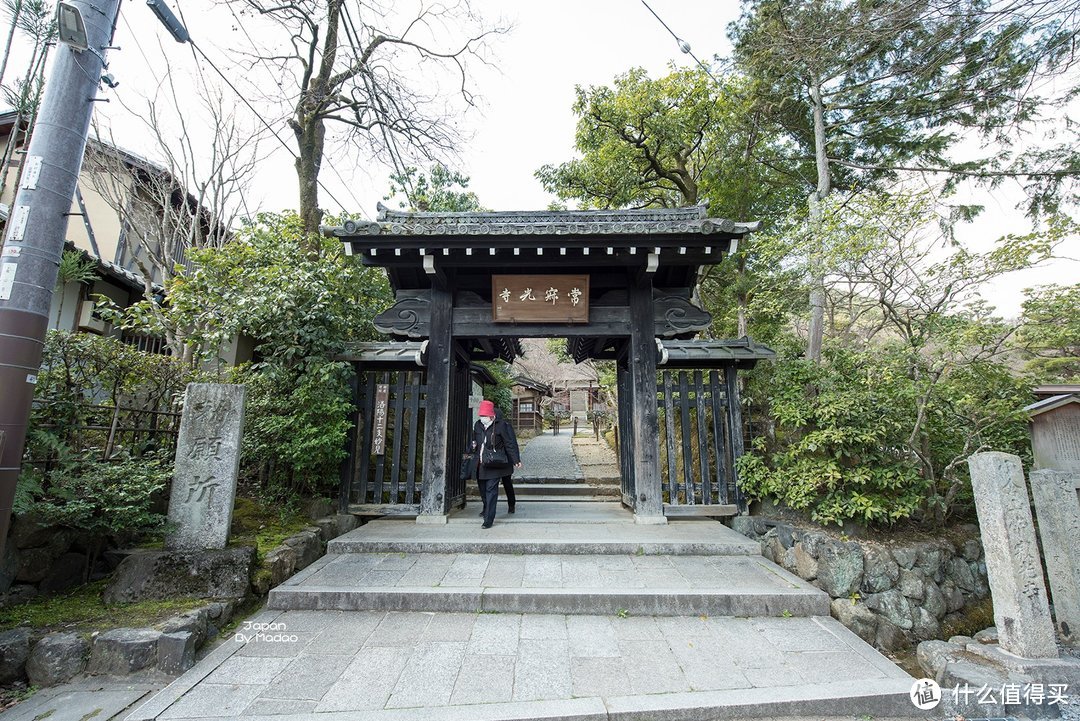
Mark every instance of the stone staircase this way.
pixel 681 587
pixel 588 617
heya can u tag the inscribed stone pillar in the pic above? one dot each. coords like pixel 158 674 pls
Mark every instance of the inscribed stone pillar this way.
pixel 1058 507
pixel 207 461
pixel 1021 611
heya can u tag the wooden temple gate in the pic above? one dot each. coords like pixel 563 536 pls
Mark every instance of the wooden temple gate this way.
pixel 616 284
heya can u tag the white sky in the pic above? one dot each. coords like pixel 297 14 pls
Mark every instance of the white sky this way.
pixel 524 120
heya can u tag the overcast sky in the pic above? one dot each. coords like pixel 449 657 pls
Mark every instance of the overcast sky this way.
pixel 524 119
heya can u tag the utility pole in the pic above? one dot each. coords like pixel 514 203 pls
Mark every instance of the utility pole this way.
pixel 38 222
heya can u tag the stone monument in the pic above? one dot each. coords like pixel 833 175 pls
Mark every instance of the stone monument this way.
pixel 207 462
pixel 1055 443
pixel 1021 610
pixel 1058 508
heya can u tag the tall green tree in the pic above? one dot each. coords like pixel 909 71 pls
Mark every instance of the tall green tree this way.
pixel 869 90
pixel 679 140
pixel 1051 332
pixel 439 190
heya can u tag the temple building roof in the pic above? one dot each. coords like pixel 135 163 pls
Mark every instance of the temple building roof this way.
pixel 648 221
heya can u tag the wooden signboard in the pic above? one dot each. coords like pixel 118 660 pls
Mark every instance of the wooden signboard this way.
pixel 540 298
pixel 378 430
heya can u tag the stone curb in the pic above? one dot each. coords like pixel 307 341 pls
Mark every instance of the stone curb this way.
pixel 587 601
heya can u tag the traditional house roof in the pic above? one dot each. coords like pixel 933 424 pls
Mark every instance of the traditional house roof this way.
pixel 413 247
pixel 648 221
pixel 525 381
pixel 1052 403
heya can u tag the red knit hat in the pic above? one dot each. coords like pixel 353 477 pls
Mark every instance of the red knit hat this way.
pixel 487 408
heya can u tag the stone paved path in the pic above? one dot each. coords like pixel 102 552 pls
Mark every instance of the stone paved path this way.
pixel 549 457
pixel 403 666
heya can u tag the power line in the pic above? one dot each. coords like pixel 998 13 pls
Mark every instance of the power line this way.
pixel 273 132
pixel 683 45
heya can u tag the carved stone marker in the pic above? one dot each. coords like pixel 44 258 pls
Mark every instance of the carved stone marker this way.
pixel 1055 433
pixel 1021 611
pixel 1057 504
pixel 207 461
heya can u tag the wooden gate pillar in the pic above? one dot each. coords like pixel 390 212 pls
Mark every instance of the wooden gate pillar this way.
pixel 645 429
pixel 433 499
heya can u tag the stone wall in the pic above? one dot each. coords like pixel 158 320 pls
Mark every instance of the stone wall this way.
pixel 169 647
pixel 40 560
pixel 891 595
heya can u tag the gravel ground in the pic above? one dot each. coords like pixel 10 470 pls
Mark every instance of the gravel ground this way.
pixel 549 457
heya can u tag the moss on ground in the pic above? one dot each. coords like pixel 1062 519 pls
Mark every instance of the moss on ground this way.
pixel 974 617
pixel 263 525
pixel 82 610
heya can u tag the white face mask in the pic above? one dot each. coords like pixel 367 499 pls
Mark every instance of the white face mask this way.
pixel 486 421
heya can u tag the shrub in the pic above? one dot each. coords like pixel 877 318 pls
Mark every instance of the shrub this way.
pixel 866 436
pixel 296 422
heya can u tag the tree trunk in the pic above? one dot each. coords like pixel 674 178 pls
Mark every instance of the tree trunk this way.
pixel 817 261
pixel 17 10
pixel 310 136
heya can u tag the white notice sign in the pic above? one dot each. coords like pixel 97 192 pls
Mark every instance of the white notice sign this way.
pixel 31 172
pixel 7 280
pixel 18 222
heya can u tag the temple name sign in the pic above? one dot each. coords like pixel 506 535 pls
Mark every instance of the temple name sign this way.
pixel 540 298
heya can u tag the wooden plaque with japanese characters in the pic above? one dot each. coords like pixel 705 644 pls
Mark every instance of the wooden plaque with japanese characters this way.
pixel 540 298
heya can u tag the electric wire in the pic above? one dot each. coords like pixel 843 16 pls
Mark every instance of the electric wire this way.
pixel 273 132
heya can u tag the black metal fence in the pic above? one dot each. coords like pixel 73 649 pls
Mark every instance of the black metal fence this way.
pixel 103 431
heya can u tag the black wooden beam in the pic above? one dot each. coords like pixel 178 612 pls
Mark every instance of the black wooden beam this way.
pixel 648 497
pixel 433 501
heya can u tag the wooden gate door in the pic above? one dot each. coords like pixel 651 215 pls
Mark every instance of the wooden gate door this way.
pixel 384 464
pixel 697 444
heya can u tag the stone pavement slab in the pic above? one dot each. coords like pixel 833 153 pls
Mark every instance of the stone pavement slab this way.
pixel 92 698
pixel 508 535
pixel 514 666
pixel 558 583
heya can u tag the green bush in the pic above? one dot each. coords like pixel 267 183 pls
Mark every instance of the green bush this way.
pixel 115 500
pixel 866 436
pixel 296 423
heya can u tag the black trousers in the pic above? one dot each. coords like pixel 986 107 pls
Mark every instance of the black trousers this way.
pixel 508 487
pixel 489 493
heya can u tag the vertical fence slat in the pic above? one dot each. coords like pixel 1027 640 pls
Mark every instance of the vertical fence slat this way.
pixel 398 392
pixel 364 431
pixel 414 422
pixel 719 437
pixel 669 441
pixel 735 430
pixel 348 466
pixel 703 441
pixel 684 434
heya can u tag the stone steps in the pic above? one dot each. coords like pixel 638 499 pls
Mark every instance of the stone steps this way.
pixel 406 666
pixel 523 490
pixel 554 491
pixel 554 533
pixel 554 584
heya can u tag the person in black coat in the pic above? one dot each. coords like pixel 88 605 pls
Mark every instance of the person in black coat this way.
pixel 497 434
